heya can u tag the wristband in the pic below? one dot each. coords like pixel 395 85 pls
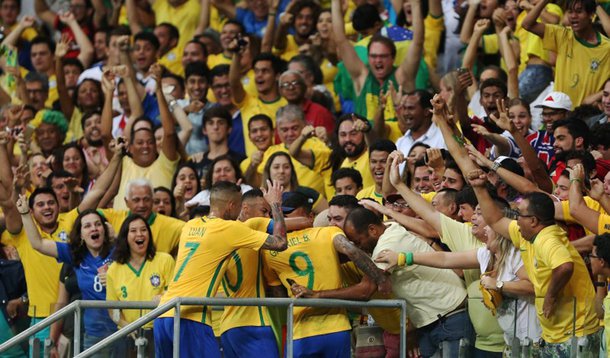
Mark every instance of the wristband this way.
pixel 495 166
pixel 401 259
pixel 409 258
pixel 575 179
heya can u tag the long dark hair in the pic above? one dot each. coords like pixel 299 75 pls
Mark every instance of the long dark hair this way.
pixel 186 165
pixel 172 200
pixel 78 248
pixel 121 251
pixel 294 181
pixel 98 86
pixel 58 164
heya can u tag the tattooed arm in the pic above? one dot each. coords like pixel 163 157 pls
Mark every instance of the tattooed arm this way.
pixel 273 195
pixel 362 261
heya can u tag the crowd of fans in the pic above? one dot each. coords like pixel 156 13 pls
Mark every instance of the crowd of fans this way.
pixel 454 154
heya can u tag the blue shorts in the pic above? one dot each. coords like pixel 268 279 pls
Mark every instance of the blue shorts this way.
pixel 332 345
pixel 249 341
pixel 196 339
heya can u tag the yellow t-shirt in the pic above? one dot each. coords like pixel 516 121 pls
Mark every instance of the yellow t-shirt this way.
pixel 242 279
pixel 251 106
pixel 603 224
pixel 185 17
pixel 218 59
pixel 206 244
pixel 607 319
pixel 75 129
pixel 458 237
pixel 124 283
pixel 165 229
pixel 361 164
pixel 386 318
pixel 434 27
pixel 329 72
pixel 41 271
pixel 547 251
pixel 291 50
pixel 369 192
pixel 533 43
pixel 581 68
pixel 591 204
pixel 312 261
pixel 172 60
pixel 160 173
pixel 310 177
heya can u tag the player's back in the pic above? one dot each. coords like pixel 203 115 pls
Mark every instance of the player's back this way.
pixel 205 245
pixel 311 261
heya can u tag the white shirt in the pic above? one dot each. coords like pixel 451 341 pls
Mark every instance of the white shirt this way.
pixel 433 137
pixel 203 197
pixel 528 325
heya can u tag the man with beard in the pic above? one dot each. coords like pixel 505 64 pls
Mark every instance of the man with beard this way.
pixel 302 17
pixel 93 144
pixel 378 156
pixel 353 147
pixel 260 128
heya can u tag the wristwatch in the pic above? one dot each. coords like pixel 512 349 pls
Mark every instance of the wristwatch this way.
pixel 499 285
pixel 495 166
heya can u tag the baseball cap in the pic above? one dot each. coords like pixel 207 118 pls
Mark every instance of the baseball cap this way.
pixel 293 200
pixel 510 164
pixel 556 100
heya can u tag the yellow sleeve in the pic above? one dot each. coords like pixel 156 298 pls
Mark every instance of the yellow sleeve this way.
pixel 174 230
pixel 554 36
pixel 242 236
pixel 458 236
pixel 429 196
pixel 490 44
pixel 8 239
pixel 110 279
pixel 603 224
pixel 515 234
pixel 554 9
pixel 554 253
pixel 258 224
pixel 591 204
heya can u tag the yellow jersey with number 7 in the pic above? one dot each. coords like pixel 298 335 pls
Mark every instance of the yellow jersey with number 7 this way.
pixel 205 247
pixel 311 261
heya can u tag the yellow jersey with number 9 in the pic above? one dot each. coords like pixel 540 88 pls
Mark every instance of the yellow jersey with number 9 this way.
pixel 311 261
pixel 205 246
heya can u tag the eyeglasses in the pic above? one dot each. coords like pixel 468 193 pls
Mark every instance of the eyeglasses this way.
pixel 291 84
pixel 524 215
pixel 591 256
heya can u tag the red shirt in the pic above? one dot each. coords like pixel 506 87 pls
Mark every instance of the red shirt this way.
pixel 318 116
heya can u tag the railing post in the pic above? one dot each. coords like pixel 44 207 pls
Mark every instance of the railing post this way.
pixel 177 330
pixel 289 330
pixel 403 329
pixel 47 347
pixel 77 332
pixel 35 346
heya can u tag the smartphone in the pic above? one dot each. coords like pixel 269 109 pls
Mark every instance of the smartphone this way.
pixel 462 70
pixel 291 281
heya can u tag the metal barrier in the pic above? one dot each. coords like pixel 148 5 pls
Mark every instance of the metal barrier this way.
pixel 187 301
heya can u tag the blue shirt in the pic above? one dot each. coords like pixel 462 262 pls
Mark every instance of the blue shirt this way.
pixel 254 26
pixel 236 137
pixel 97 321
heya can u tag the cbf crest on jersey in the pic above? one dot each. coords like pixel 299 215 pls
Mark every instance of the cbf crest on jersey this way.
pixel 155 280
pixel 63 236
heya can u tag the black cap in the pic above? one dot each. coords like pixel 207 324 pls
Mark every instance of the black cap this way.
pixel 293 200
pixel 365 17
pixel 511 165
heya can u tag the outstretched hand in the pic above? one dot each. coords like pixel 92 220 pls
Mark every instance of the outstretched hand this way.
pixel 503 121
pixel 22 205
pixel 395 172
pixel 273 193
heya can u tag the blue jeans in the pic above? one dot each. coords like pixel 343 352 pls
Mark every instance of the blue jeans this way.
pixel 533 80
pixel 447 333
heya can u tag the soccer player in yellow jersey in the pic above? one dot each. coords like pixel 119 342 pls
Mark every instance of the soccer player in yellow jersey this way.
pixel 206 244
pixel 312 260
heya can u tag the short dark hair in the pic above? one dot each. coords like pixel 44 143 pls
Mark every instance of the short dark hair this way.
pixel 43 40
pixel 148 37
pixel 382 145
pixel 601 136
pixel 502 75
pixel 218 71
pixel 121 252
pixel 197 68
pixel 174 33
pixel 587 159
pixel 56 174
pixel 383 40
pixel 541 206
pixel 576 127
pixel 424 98
pixel 277 63
pixel 121 30
pixel 252 194
pixel 242 30
pixel 494 82
pixel 261 117
pixel 218 112
pixel 40 191
pixel 588 5
pixel 224 186
pixel 73 62
pixel 360 218
pixel 467 196
pixel 603 246
pixel 88 115
pixel 347 173
pixel 309 63
pixel 348 202
pixel 204 49
pixel 365 17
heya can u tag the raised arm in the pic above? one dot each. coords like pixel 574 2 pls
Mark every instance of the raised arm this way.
pixel 65 101
pixel 530 22
pixel 103 182
pixel 470 56
pixel 424 209
pixel 226 8
pixel 204 17
pixel 268 40
pixel 286 19
pixel 237 88
pixel 45 247
pixel 132 16
pixel 510 59
pixel 466 34
pixel 584 215
pixel 11 215
pixel 13 37
pixel 416 225
pixel 604 18
pixel 273 195
pixel 44 13
pixel 492 214
pixel 406 73
pixel 99 13
pixel 597 193
pixel 438 259
pixel 362 261
pixel 170 139
pixel 108 87
pixel 353 64
pixel 304 157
